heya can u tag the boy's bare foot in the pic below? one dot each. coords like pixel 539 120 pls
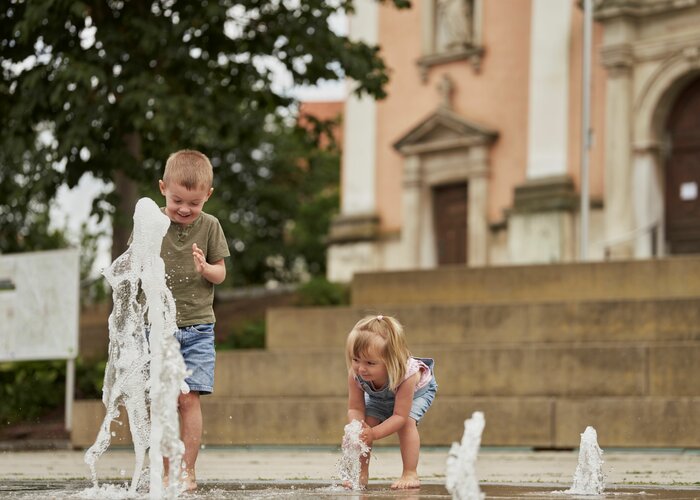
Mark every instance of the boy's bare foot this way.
pixel 408 481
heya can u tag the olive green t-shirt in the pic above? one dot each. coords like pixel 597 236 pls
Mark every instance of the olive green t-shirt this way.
pixel 193 294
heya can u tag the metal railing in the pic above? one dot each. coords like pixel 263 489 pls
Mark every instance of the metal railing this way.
pixel 652 230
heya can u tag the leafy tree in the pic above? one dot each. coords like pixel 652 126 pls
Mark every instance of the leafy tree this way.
pixel 112 87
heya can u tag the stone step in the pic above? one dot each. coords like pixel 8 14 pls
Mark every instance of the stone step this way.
pixel 427 325
pixel 674 277
pixel 557 370
pixel 510 421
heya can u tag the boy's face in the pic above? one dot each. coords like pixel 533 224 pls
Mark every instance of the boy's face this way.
pixel 183 205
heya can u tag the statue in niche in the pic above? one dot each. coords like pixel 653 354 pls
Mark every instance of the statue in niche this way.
pixel 453 25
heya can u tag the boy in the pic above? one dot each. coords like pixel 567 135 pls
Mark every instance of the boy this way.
pixel 193 251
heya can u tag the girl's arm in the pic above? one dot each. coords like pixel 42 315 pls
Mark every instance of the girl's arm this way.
pixel 402 405
pixel 356 400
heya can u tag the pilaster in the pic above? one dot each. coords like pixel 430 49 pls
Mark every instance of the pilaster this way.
pixel 619 223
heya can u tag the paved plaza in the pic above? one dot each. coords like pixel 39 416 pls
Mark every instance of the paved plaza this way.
pixel 654 468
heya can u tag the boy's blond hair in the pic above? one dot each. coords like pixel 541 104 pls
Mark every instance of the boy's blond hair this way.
pixel 384 336
pixel 190 169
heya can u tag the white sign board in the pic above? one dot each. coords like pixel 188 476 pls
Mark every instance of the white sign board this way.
pixel 689 191
pixel 39 305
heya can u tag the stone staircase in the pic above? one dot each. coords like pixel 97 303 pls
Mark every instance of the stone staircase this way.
pixel 543 351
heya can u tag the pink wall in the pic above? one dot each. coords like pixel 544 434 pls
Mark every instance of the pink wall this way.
pixel 497 98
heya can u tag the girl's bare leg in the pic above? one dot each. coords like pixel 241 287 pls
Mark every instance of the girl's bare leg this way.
pixel 364 460
pixel 409 441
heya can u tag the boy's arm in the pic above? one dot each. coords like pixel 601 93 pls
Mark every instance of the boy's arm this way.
pixel 356 400
pixel 402 405
pixel 214 272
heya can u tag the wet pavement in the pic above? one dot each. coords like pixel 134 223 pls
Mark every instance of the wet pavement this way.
pixel 299 473
pixel 293 490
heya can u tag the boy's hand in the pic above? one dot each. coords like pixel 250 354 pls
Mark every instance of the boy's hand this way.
pixel 200 262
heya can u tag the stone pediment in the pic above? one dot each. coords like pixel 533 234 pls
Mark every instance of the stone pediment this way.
pixel 444 130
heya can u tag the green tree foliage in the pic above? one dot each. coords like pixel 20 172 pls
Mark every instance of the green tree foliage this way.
pixel 112 87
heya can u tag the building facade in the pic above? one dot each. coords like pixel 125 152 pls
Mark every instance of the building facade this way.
pixel 474 157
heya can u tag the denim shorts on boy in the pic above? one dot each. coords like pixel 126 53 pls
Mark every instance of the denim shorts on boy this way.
pixel 380 405
pixel 197 348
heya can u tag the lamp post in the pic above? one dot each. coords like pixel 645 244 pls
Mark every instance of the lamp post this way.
pixel 585 126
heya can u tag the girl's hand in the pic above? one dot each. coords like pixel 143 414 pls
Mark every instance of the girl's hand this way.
pixel 200 262
pixel 367 435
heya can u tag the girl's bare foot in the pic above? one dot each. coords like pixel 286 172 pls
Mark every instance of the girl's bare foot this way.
pixel 409 480
pixel 363 480
pixel 188 481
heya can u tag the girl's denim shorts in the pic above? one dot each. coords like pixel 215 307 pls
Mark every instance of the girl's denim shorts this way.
pixel 197 348
pixel 384 408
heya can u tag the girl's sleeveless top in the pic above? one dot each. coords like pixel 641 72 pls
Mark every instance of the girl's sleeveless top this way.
pixel 413 366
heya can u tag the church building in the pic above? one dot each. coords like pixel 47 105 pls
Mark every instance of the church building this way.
pixel 475 156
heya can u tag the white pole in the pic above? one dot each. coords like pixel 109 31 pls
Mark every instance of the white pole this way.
pixel 70 388
pixel 585 125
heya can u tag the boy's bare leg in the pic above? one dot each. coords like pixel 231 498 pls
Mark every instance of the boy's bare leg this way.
pixel 409 441
pixel 191 432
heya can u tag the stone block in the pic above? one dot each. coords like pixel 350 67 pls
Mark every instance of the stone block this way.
pixel 674 370
pixel 629 422
pixel 274 421
pixel 304 327
pixel 677 319
pixel 250 373
pixel 87 419
pixel 541 370
pixel 509 421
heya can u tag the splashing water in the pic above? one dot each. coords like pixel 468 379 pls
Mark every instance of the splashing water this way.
pixel 461 480
pixel 589 478
pixel 135 377
pixel 353 449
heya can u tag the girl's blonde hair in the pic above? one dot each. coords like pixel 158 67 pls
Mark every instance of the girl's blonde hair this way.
pixel 383 335
pixel 190 169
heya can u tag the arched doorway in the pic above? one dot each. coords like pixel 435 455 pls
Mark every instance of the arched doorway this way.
pixel 682 173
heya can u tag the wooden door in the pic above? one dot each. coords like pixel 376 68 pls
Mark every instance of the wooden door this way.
pixel 683 173
pixel 450 222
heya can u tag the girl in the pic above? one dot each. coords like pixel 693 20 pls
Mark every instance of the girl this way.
pixel 389 391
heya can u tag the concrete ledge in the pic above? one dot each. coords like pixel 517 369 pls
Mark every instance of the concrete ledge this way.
pixel 557 371
pixel 504 370
pixel 675 277
pixel 427 325
pixel 526 421
pixel 320 421
pixel 509 421
pixel 630 422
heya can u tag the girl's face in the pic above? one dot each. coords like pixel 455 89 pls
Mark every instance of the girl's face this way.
pixel 371 367
pixel 183 205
